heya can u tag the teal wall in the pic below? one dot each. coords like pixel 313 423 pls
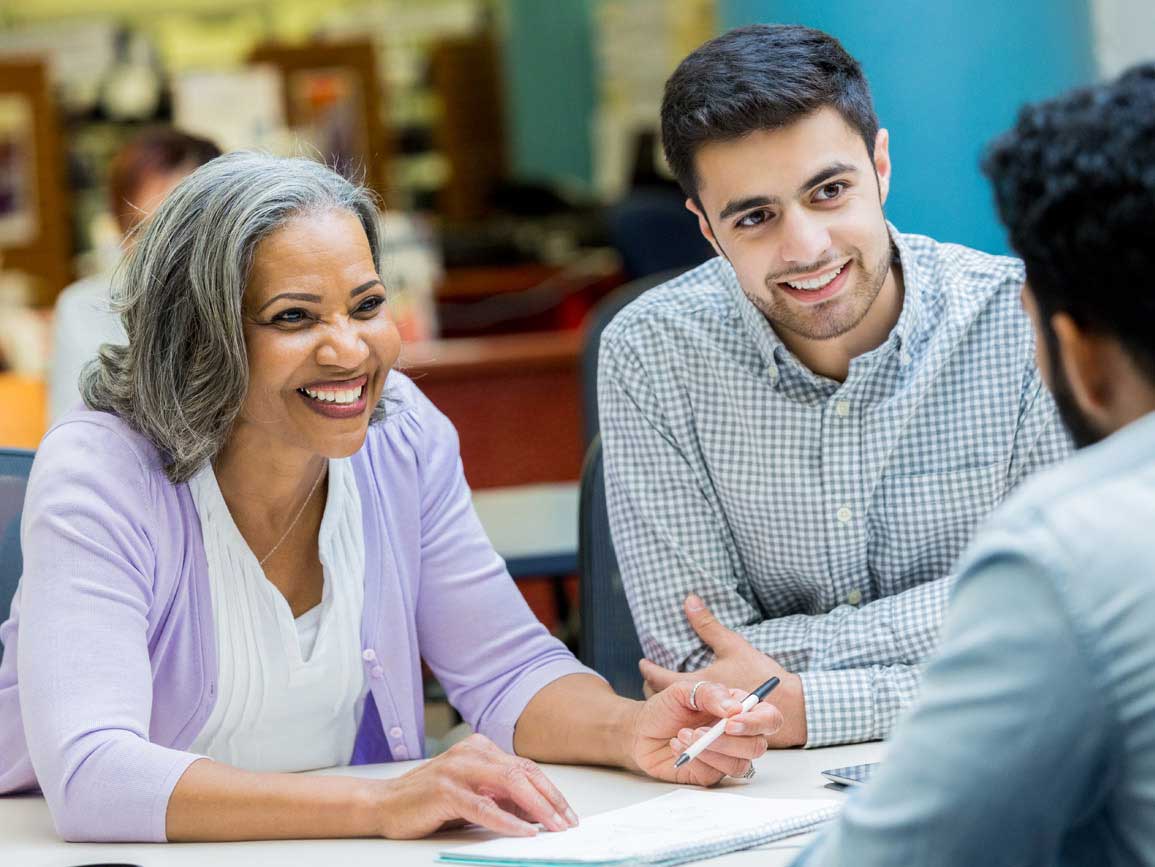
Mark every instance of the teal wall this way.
pixel 551 88
pixel 947 75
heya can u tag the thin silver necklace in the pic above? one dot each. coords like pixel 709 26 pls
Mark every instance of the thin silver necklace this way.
pixel 296 517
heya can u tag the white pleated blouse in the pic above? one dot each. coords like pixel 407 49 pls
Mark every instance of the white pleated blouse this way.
pixel 289 693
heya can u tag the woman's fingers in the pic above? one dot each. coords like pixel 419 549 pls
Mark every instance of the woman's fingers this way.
pixel 476 782
pixel 551 792
pixel 716 700
pixel 763 719
pixel 729 745
pixel 721 765
pixel 517 783
pixel 494 772
pixel 728 765
pixel 484 811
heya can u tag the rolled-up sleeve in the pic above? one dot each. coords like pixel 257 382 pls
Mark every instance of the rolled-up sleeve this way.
pixel 83 670
pixel 478 635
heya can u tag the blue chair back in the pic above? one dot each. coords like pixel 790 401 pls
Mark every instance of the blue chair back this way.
pixel 653 232
pixel 608 641
pixel 15 465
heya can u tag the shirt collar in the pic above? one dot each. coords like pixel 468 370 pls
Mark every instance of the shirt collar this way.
pixel 768 343
pixel 906 333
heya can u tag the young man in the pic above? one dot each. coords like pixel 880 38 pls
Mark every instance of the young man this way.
pixel 1033 741
pixel 805 430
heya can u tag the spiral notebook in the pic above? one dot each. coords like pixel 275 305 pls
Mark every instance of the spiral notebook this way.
pixel 682 826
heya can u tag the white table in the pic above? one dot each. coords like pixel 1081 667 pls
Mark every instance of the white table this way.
pixel 533 527
pixel 27 837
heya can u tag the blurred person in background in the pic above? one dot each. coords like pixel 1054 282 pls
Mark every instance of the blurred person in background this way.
pixel 239 551
pixel 1033 741
pixel 141 174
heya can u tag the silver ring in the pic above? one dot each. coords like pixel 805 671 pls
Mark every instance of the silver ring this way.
pixel 748 775
pixel 694 693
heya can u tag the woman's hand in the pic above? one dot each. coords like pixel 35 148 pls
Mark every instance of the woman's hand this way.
pixel 474 781
pixel 667 724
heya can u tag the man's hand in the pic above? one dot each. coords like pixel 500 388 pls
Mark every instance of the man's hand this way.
pixel 737 664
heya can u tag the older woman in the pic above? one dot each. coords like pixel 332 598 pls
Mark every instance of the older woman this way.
pixel 238 555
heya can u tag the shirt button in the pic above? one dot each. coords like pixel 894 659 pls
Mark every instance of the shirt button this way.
pixel 854 596
pixel 368 654
pixel 395 732
pixel 377 672
pixel 904 358
pixel 842 408
pixel 400 752
pixel 844 515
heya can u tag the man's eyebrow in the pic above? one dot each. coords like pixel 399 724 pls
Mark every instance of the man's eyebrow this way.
pixel 827 173
pixel 316 299
pixel 737 205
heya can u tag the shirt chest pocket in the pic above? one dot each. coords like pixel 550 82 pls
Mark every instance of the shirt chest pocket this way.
pixel 918 525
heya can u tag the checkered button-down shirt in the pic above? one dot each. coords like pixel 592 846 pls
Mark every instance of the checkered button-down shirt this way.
pixel 819 519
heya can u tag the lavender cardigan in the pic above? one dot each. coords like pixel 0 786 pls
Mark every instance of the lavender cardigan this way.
pixel 110 653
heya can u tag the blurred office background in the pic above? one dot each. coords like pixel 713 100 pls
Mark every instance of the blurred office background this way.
pixel 514 145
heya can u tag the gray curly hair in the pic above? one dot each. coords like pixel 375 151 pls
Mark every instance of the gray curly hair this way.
pixel 184 374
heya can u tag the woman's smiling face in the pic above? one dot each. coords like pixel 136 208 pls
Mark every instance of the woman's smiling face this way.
pixel 319 338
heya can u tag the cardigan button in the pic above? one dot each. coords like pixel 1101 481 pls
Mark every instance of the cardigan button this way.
pixel 368 654
pixel 396 732
pixel 400 752
pixel 377 672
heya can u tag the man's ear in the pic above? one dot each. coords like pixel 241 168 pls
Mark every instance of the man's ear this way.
pixel 704 226
pixel 882 164
pixel 1088 365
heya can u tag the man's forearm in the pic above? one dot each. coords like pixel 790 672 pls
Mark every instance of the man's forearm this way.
pixel 894 630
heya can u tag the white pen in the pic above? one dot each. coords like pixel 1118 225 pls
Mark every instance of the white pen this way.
pixel 699 746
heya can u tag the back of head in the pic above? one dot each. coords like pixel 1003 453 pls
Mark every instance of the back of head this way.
pixel 156 152
pixel 761 77
pixel 1074 181
pixel 182 377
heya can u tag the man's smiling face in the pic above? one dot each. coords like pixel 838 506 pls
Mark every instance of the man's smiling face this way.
pixel 798 213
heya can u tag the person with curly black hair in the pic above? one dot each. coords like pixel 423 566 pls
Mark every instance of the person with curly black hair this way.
pixel 1033 741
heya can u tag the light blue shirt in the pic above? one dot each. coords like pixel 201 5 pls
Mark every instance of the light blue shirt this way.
pixel 1034 738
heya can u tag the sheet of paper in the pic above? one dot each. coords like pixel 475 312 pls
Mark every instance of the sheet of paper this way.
pixel 680 819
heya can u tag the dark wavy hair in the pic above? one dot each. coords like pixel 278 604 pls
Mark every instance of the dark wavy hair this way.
pixel 1074 182
pixel 761 77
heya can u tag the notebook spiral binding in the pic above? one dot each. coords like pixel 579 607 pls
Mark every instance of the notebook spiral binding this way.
pixel 724 844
